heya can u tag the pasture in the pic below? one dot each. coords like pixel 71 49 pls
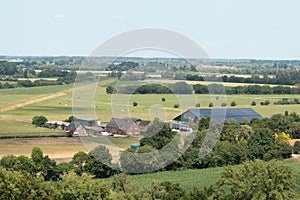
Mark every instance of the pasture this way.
pixel 200 178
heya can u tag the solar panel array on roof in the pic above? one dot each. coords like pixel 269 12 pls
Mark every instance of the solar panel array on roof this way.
pixel 220 114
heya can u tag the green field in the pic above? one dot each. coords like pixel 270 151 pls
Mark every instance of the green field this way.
pixel 17 128
pixel 200 178
pixel 149 105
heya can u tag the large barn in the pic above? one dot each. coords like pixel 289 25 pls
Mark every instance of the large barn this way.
pixel 218 115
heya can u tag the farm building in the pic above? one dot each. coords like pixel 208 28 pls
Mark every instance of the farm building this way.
pixel 88 121
pixel 127 126
pixel 78 128
pixel 218 115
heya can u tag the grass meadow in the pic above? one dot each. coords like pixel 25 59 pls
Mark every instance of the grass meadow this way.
pixel 200 178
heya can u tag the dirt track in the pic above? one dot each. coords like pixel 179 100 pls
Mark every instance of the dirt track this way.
pixel 32 101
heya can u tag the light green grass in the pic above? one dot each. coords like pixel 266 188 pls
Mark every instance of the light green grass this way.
pixel 16 128
pixel 54 109
pixel 199 178
pixel 36 90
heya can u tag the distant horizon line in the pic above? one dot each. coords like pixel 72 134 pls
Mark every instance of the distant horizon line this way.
pixel 153 57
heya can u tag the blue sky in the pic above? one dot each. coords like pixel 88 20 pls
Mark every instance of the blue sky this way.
pixel 262 29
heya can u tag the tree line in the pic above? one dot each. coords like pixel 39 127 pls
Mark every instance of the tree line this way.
pixel 282 77
pixel 176 88
pixel 214 88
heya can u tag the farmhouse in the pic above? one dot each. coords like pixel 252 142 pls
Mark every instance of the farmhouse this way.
pixel 218 115
pixel 127 126
pixel 78 128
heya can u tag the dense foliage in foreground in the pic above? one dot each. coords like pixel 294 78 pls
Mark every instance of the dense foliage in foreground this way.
pixel 252 180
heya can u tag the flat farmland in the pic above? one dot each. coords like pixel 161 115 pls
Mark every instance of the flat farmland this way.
pixel 62 148
pixel 208 82
pixel 18 121
pixel 149 105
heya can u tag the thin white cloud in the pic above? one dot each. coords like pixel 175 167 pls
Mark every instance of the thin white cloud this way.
pixel 59 16
pixel 118 17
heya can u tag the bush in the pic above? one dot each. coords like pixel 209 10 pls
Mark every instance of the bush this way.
pixel 233 103
pixel 224 104
pixel 211 104
pixel 253 103
pixel 163 99
pixel 197 105
pixel 135 104
pixel 39 120
pixel 267 102
pixel 262 103
pixel 176 105
pixel 296 147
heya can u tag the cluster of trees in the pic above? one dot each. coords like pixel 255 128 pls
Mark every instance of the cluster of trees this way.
pixel 286 77
pixel 41 82
pixel 236 144
pixel 33 178
pixel 184 88
pixel 6 85
pixel 176 88
pixel 123 66
pixel 286 101
pixel 8 68
pixel 51 73
pixel 250 89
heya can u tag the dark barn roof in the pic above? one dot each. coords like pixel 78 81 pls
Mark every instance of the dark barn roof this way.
pixel 218 115
pixel 121 124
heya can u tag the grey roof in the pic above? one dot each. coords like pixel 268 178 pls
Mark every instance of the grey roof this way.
pixel 122 124
pixel 72 126
pixel 218 115
pixel 88 119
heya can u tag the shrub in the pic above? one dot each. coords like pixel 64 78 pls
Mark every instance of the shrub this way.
pixel 211 104
pixel 297 147
pixel 224 104
pixel 197 105
pixel 267 102
pixel 39 120
pixel 135 104
pixel 253 103
pixel 233 103
pixel 176 105
pixel 163 99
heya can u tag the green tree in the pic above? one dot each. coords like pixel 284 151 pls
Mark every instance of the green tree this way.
pixel 99 164
pixel 17 185
pixel 135 104
pixel 70 186
pixel 233 103
pixel 79 160
pixel 37 155
pixel 297 147
pixel 261 144
pixel 259 180
pixel 109 89
pixel 39 120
